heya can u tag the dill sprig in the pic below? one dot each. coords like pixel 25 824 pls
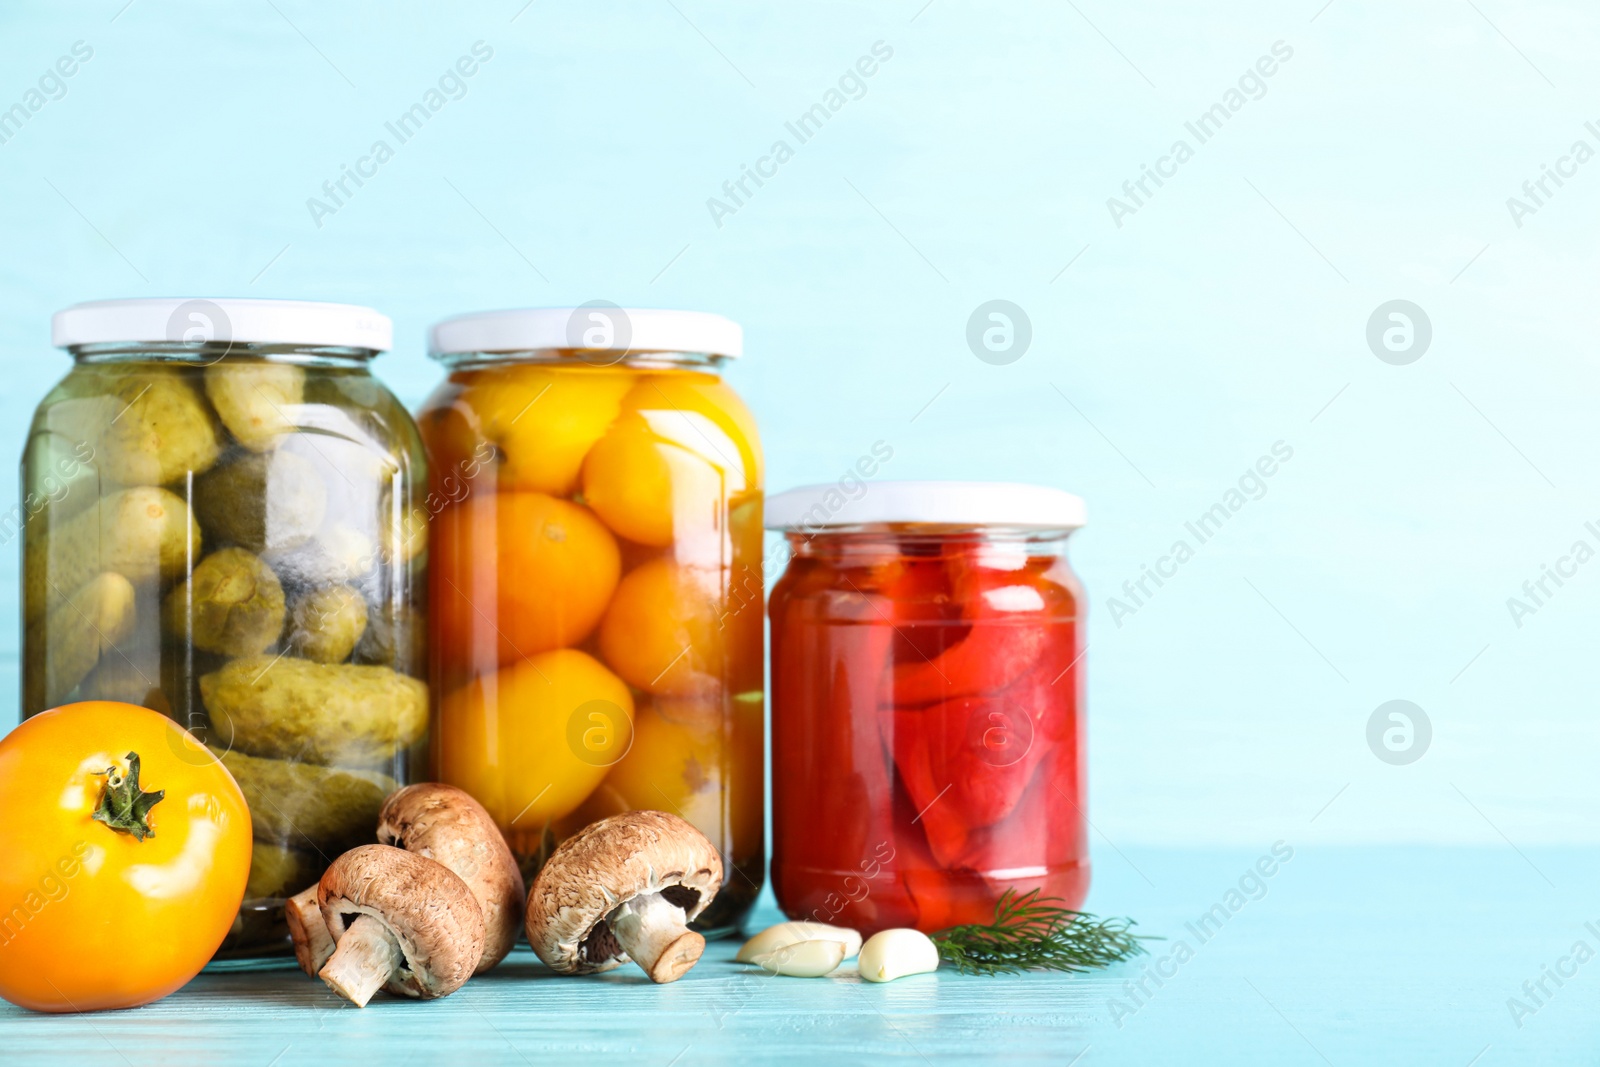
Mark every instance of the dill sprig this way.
pixel 1030 933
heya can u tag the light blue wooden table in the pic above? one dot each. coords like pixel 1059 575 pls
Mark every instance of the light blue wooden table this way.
pixel 1342 956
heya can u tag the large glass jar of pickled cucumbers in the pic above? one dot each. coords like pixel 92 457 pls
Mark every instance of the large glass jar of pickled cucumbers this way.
pixel 224 520
pixel 596 566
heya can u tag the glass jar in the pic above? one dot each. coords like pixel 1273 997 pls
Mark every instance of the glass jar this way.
pixel 223 522
pixel 927 736
pixel 597 593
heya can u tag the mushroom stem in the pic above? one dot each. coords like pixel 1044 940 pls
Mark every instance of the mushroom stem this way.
pixel 656 935
pixel 313 945
pixel 364 959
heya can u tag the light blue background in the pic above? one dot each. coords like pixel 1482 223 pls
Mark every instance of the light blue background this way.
pixel 1168 354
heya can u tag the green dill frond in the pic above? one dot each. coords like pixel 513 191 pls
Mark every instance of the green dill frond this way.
pixel 1030 933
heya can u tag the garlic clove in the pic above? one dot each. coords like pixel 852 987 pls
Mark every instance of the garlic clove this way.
pixel 891 954
pixel 775 937
pixel 803 959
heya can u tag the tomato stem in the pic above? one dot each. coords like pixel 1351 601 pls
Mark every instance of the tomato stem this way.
pixel 123 805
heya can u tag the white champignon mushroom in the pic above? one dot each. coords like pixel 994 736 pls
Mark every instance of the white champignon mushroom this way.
pixel 400 922
pixel 312 942
pixel 624 888
pixel 445 824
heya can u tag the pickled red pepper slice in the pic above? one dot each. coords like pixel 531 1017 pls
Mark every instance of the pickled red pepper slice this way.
pixel 940 841
pixel 938 894
pixel 967 759
pixel 1047 812
pixel 985 747
pixel 847 819
pixel 999 647
pixel 965 764
pixel 992 656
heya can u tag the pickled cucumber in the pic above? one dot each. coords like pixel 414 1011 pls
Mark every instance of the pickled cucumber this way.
pixel 326 624
pixel 73 636
pixel 397 639
pixel 269 502
pixel 140 533
pixel 148 426
pixel 338 554
pixel 256 401
pixel 358 393
pixel 232 605
pixel 119 678
pixel 325 809
pixel 405 536
pixel 294 709
pixel 58 476
pixel 276 871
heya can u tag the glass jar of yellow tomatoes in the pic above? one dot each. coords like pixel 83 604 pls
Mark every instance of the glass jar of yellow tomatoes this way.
pixel 596 604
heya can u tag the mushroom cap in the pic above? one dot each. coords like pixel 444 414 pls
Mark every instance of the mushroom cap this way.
pixel 605 864
pixel 430 912
pixel 445 824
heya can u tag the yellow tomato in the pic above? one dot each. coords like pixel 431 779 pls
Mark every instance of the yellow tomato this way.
pixel 126 849
pixel 743 620
pixel 683 445
pixel 743 725
pixel 747 789
pixel 663 632
pixel 603 803
pixel 692 759
pixel 516 574
pixel 649 489
pixel 674 767
pixel 531 741
pixel 526 426
pixel 711 419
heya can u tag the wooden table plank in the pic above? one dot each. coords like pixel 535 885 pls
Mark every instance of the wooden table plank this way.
pixel 1343 955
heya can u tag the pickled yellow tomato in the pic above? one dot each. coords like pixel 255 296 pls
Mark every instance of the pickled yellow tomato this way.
pixel 682 446
pixel 675 767
pixel 664 632
pixel 526 426
pixel 531 741
pixel 694 759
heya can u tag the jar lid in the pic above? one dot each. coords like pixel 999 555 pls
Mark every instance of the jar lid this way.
pixel 814 508
pixel 176 319
pixel 599 326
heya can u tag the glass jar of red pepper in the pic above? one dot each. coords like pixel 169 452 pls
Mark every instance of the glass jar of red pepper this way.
pixel 927 679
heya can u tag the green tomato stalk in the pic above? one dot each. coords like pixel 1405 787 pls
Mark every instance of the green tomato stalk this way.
pixel 123 805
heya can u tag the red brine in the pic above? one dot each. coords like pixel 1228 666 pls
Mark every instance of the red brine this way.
pixel 927 742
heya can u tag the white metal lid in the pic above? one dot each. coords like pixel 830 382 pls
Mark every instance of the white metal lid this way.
pixel 1010 504
pixel 285 322
pixel 596 326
